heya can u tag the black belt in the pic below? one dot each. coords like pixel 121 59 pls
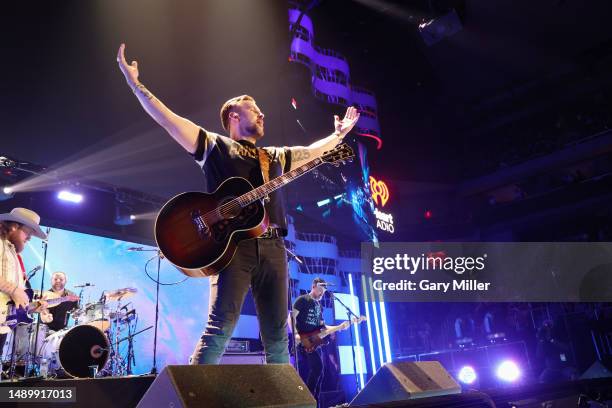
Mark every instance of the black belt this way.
pixel 273 233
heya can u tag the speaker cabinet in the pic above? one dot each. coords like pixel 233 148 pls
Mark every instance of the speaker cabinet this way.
pixel 402 381
pixel 190 386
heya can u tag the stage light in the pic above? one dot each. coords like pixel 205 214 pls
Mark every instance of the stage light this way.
pixel 385 327
pixel 123 220
pixel 356 328
pixel 123 216
pixel 508 371
pixel 439 28
pixel 376 325
pixel 70 196
pixel 368 322
pixel 467 375
pixel 6 194
pixel 323 202
pixel 428 214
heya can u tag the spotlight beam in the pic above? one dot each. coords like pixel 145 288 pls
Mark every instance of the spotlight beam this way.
pixel 120 159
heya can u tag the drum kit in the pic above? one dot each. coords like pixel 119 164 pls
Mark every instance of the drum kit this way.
pixel 91 345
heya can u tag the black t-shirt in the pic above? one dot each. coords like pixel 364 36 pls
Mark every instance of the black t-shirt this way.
pixel 60 312
pixel 221 158
pixel 310 316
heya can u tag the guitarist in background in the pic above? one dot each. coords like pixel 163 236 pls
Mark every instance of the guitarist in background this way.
pixel 16 229
pixel 58 319
pixel 261 262
pixel 308 315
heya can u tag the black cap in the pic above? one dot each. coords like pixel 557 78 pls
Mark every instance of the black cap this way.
pixel 318 280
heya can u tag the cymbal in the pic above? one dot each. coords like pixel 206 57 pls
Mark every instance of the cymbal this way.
pixel 120 294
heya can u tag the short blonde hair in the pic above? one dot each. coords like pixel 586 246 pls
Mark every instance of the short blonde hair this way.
pixel 230 106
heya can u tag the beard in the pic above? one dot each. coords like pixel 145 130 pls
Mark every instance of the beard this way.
pixel 255 130
pixel 17 242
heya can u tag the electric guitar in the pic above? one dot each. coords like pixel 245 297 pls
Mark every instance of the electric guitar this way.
pixel 199 232
pixel 311 341
pixel 12 315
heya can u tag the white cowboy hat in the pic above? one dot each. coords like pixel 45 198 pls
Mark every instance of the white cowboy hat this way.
pixel 26 217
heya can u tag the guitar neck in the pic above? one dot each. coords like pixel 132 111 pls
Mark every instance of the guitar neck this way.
pixel 52 302
pixel 58 300
pixel 272 185
pixel 327 332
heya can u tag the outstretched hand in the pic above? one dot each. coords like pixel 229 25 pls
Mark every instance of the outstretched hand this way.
pixel 346 124
pixel 130 71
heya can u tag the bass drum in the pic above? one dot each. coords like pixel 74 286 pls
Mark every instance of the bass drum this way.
pixel 75 349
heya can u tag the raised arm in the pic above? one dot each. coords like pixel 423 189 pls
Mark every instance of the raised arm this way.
pixel 303 154
pixel 182 130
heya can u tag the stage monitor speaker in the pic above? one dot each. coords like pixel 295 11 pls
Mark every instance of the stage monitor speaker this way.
pixel 276 385
pixel 406 380
pixel 596 370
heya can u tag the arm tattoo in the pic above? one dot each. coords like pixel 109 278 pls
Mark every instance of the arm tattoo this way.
pixel 143 91
pixel 299 155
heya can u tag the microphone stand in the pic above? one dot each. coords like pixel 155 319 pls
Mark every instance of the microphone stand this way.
pixel 294 351
pixel 34 367
pixel 159 258
pixel 350 314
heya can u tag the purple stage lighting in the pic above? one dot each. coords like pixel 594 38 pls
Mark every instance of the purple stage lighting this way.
pixel 508 371
pixel 467 375
pixel 69 196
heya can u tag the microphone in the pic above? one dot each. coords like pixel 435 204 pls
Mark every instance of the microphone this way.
pixel 326 284
pixel 33 272
pixel 84 285
pixel 294 256
pixel 126 306
pixel 135 249
pixel 46 240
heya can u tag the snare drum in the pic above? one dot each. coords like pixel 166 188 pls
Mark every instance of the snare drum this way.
pixel 75 349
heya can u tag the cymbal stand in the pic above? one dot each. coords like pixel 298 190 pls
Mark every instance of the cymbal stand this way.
pixel 117 362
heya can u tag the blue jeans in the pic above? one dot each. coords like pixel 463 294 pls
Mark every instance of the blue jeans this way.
pixel 261 264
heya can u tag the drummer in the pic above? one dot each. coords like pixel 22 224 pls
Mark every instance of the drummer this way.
pixel 57 317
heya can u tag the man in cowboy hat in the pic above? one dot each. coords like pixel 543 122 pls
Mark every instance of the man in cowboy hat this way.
pixel 16 229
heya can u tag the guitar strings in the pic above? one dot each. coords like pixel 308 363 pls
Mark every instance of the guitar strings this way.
pixel 234 204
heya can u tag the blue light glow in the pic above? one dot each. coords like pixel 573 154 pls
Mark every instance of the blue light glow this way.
pixel 323 202
pixel 357 337
pixel 378 339
pixel 69 196
pixel 385 328
pixel 508 371
pixel 467 375
pixel 368 323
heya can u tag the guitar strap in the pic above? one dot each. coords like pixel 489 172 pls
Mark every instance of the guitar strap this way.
pixel 264 164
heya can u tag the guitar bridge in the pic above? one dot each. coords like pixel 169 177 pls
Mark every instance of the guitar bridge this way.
pixel 198 221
